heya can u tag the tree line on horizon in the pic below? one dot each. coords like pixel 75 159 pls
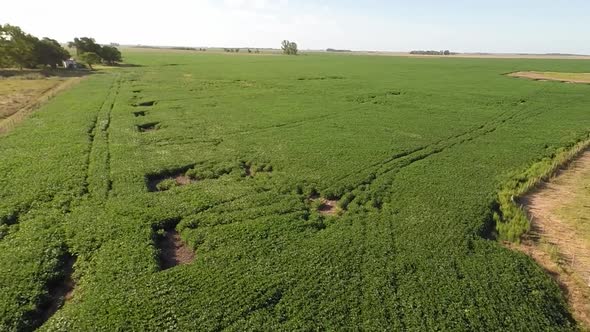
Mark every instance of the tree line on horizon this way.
pixel 22 50
pixel 445 52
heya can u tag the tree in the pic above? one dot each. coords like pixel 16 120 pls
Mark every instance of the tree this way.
pixel 19 47
pixel 289 48
pixel 110 55
pixel 49 52
pixel 85 45
pixel 90 58
pixel 4 42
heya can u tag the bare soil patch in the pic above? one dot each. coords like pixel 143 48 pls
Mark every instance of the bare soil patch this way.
pixel 170 178
pixel 321 78
pixel 583 78
pixel 248 170
pixel 152 126
pixel 60 291
pixel 558 243
pixel 145 104
pixel 172 250
pixel 326 207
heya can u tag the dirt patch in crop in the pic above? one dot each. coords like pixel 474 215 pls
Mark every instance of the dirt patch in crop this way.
pixel 140 113
pixel 170 178
pixel 145 104
pixel 326 207
pixel 148 127
pixel 375 98
pixel 172 250
pixel 179 180
pixel 60 291
pixel 561 245
pixel 320 78
pixel 248 170
pixel 583 78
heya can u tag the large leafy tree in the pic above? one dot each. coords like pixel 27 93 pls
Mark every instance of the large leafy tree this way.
pixel 49 52
pixel 289 48
pixel 19 47
pixel 4 42
pixel 85 45
pixel 110 55
pixel 90 58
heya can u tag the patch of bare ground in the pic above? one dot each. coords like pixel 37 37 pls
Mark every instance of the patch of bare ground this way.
pixel 326 207
pixel 559 242
pixel 147 127
pixel 60 292
pixel 168 179
pixel 145 104
pixel 172 250
pixel 248 170
pixel 583 78
pixel 178 180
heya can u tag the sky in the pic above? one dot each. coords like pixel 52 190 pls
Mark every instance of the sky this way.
pixel 496 26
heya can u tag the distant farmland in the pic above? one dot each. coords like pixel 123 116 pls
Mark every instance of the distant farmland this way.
pixel 205 192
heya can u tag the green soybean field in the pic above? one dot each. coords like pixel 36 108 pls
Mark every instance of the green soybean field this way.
pixel 208 192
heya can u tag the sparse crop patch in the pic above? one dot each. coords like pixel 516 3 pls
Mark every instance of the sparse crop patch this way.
pixel 320 78
pixel 169 179
pixel 145 104
pixel 172 250
pixel 375 98
pixel 60 290
pixel 147 127
pixel 326 207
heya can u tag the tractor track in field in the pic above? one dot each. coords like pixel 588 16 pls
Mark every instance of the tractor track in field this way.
pixel 92 132
pixel 100 130
pixel 404 159
pixel 108 140
pixel 60 292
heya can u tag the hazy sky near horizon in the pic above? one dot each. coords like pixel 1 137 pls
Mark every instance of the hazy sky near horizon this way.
pixel 520 26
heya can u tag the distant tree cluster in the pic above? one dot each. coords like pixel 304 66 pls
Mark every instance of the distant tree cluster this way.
pixel 289 48
pixel 182 48
pixel 22 50
pixel 231 50
pixel 446 52
pixel 90 52
pixel 335 50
